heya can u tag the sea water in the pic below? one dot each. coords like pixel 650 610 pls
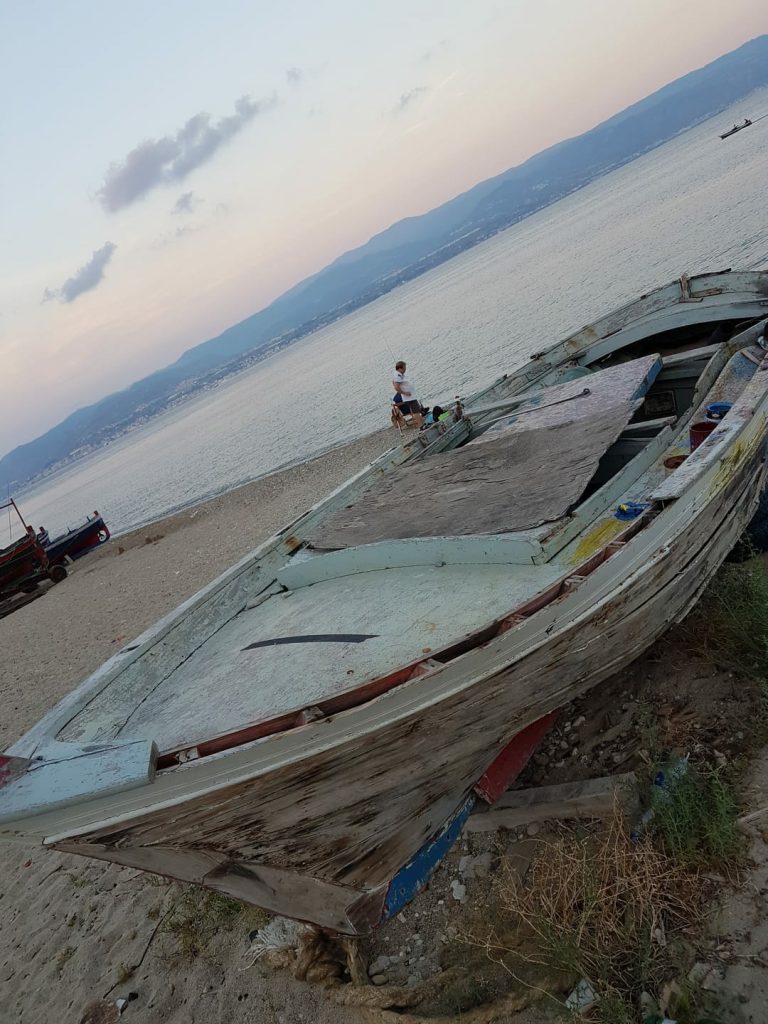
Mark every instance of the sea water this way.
pixel 694 204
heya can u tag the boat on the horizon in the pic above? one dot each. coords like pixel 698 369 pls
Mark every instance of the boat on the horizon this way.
pixel 736 128
pixel 310 732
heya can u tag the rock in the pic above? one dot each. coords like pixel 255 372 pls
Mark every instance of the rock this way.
pixel 698 972
pixel 481 865
pixel 541 759
pixel 575 752
pixel 533 829
pixel 413 979
pixel 381 963
pixel 582 998
pixel 648 1005
pixel 579 722
pixel 379 979
pixel 465 865
pixel 458 891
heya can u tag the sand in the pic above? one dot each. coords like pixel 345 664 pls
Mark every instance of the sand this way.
pixel 69 927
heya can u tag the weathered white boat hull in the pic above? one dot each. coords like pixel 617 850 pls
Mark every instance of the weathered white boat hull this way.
pixel 287 839
pixel 339 820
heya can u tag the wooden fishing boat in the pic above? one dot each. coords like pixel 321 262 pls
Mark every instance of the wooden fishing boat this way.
pixel 78 541
pixel 24 562
pixel 310 731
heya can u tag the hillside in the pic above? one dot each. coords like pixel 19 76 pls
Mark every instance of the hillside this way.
pixel 410 247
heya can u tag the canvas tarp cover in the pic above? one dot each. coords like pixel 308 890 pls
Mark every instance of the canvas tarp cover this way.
pixel 530 471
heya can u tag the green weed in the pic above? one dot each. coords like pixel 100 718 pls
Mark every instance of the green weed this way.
pixel 695 819
pixel 730 623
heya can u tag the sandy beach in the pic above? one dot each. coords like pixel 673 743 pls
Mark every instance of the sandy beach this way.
pixel 71 926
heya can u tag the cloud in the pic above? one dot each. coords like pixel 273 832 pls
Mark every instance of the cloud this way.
pixel 293 76
pixel 83 280
pixel 171 237
pixel 409 98
pixel 171 158
pixel 186 203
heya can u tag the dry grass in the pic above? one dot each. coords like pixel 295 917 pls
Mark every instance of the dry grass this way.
pixel 199 915
pixel 601 907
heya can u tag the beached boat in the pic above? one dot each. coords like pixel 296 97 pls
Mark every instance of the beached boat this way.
pixel 78 541
pixel 310 731
pixel 24 562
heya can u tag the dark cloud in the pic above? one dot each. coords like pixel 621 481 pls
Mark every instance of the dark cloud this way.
pixel 186 203
pixel 409 98
pixel 171 158
pixel 293 76
pixel 84 279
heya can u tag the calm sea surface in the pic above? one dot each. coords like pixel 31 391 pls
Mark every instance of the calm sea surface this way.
pixel 694 204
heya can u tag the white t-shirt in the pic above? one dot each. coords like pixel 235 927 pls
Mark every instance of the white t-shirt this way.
pixel 406 390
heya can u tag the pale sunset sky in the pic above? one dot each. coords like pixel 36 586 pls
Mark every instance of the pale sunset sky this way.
pixel 170 167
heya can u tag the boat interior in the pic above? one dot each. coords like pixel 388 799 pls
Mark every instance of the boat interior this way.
pixel 381 590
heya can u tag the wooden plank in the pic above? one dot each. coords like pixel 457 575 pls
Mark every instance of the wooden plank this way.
pixel 578 399
pixel 513 483
pixel 82 775
pixel 285 892
pixel 592 799
pixel 392 554
pixel 525 470
pixel 690 354
pixel 649 426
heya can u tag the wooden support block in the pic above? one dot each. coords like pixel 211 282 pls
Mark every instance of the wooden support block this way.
pixel 591 799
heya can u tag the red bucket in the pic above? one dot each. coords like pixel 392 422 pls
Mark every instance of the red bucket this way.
pixel 700 432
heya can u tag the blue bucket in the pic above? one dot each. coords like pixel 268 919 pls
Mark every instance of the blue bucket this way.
pixel 717 410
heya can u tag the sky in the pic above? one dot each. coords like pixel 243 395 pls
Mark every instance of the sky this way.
pixel 168 169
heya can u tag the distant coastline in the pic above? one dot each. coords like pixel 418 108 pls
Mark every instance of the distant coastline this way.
pixel 399 254
pixel 197 386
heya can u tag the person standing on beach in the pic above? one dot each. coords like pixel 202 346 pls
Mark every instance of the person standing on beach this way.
pixel 409 404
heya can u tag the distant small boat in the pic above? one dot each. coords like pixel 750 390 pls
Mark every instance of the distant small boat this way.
pixel 78 542
pixel 736 128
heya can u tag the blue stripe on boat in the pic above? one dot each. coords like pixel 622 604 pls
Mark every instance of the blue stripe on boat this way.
pixel 414 875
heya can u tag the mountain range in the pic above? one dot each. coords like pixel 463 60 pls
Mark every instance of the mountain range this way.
pixel 401 252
